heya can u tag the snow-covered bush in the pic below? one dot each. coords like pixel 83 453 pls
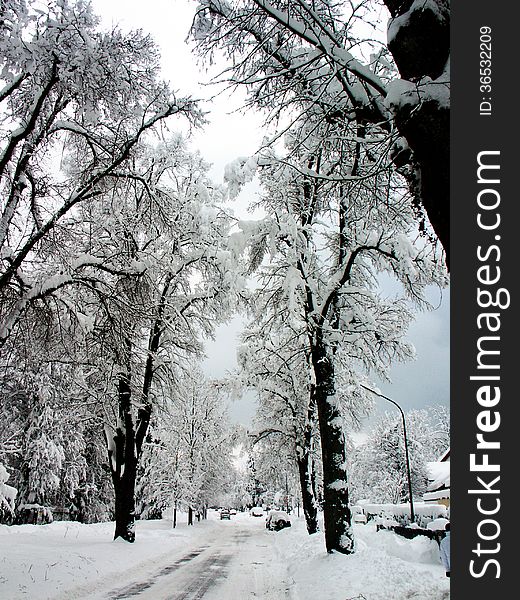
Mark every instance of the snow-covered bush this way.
pixel 7 497
pixel 55 454
pixel 437 524
pixel 34 514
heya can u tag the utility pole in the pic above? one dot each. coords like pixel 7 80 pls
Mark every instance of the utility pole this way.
pixel 412 514
pixel 286 494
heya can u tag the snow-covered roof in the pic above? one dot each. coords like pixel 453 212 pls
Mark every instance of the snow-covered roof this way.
pixel 437 494
pixel 445 457
pixel 438 476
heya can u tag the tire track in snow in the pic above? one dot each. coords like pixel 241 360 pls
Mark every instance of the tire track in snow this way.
pixel 205 573
pixel 236 567
pixel 136 588
pixel 212 570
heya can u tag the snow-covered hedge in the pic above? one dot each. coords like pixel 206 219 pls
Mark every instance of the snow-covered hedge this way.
pixel 424 513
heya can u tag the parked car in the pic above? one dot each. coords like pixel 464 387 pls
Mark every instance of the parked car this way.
pixel 277 519
pixel 225 514
pixel 358 514
pixel 232 511
pixel 257 511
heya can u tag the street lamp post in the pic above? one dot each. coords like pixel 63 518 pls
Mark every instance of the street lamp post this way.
pixel 286 494
pixel 412 514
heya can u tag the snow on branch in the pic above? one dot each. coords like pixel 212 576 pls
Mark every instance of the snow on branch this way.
pixel 326 42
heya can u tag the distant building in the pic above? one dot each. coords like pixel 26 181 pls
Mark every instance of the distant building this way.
pixel 438 490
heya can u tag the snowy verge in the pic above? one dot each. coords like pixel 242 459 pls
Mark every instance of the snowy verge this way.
pixel 67 560
pixel 385 566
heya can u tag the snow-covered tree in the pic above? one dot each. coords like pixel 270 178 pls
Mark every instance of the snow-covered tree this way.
pixel 420 101
pixel 277 367
pixel 48 436
pixel 378 467
pixel 241 487
pixel 335 220
pixel 186 457
pixel 297 57
pixel 277 474
pixel 94 499
pixel 75 101
pixel 116 241
pixel 338 211
pixel 160 270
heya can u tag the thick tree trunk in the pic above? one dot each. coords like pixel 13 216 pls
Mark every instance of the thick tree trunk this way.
pixel 306 471
pixel 124 448
pixel 125 504
pixel 190 516
pixel 309 504
pixel 336 511
pixel 427 127
pixel 123 458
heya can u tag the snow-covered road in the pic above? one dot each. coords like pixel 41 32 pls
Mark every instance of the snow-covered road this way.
pixel 235 562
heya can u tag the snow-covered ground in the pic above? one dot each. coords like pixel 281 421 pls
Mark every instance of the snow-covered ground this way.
pixel 385 566
pixel 215 560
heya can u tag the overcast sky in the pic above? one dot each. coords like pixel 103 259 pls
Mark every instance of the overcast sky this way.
pixel 229 135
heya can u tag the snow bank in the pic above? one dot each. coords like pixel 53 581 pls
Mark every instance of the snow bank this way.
pixel 68 560
pixel 437 524
pixel 384 566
